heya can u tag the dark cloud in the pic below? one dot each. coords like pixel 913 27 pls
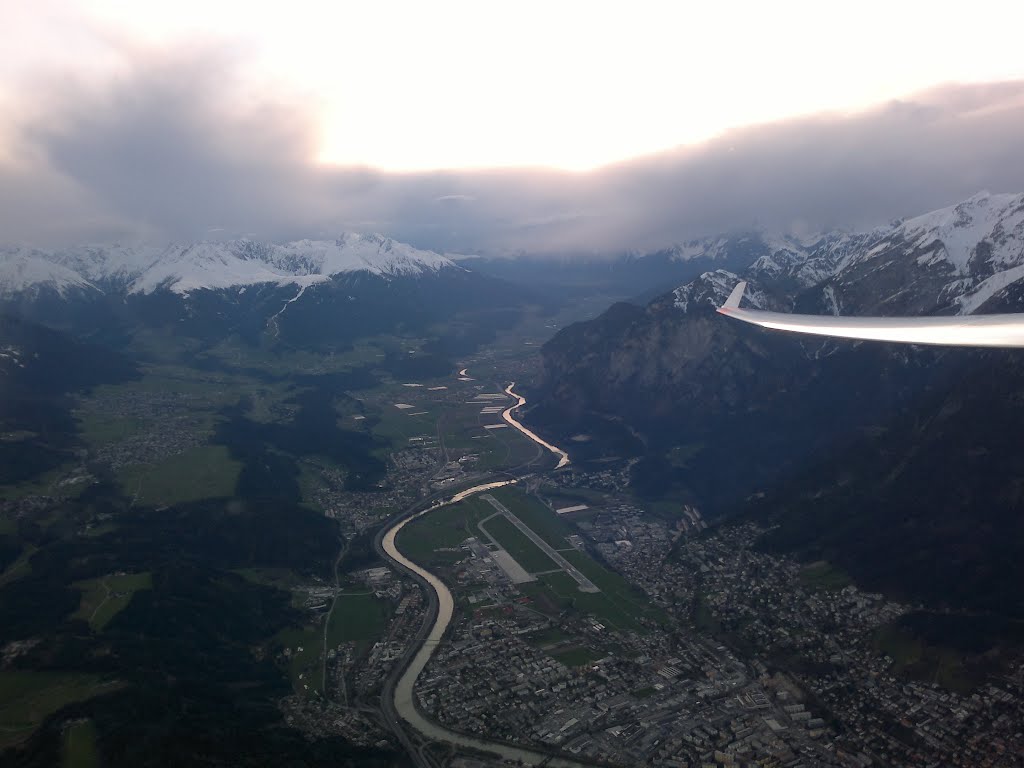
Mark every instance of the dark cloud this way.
pixel 178 149
pixel 171 150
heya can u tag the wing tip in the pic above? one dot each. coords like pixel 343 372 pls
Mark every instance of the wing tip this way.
pixel 733 302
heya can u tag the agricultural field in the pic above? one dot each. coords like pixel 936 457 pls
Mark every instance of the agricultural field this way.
pixel 20 567
pixel 824 576
pixel 203 472
pixel 577 656
pixel 104 598
pixel 79 749
pixel 303 648
pixel 515 542
pixel 357 617
pixel 63 482
pixel 621 608
pixel 27 698
pixel 448 420
pixel 429 538
pixel 542 521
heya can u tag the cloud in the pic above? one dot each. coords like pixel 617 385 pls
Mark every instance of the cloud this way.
pixel 178 148
pixel 168 151
pixel 455 198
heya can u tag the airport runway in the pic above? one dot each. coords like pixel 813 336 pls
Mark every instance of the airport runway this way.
pixel 586 585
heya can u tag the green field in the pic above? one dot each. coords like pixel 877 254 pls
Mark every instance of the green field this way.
pixel 396 426
pixel 51 483
pixel 824 576
pixel 546 638
pixel 426 539
pixel 577 656
pixel 99 428
pixel 104 598
pixel 304 666
pixel 27 698
pixel 444 528
pixel 497 448
pixel 282 578
pixel 19 567
pixel 359 618
pixel 203 472
pixel 80 746
pixel 506 448
pixel 928 663
pixel 570 497
pixel 460 425
pixel 681 455
pixel 618 605
pixel 617 608
pixel 284 362
pixel 515 542
pixel 630 603
pixel 542 521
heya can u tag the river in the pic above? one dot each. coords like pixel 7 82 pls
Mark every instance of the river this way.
pixel 404 696
pixel 563 457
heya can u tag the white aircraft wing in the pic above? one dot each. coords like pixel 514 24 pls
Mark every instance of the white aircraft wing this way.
pixel 954 331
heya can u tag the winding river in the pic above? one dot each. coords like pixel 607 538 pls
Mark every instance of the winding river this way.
pixel 404 695
pixel 563 457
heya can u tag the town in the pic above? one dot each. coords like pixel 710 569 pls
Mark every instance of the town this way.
pixel 587 624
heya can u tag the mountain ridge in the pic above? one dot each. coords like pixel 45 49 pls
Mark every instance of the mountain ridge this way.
pixel 950 261
pixel 675 368
pixel 209 265
pixel 898 463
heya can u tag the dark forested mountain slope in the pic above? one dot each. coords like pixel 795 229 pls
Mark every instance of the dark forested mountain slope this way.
pixel 904 464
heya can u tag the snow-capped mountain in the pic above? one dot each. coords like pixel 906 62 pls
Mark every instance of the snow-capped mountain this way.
pixel 951 261
pixel 752 245
pixel 183 269
pixel 306 294
pixel 24 271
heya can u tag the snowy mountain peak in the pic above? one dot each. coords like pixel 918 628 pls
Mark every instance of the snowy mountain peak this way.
pixel 954 234
pixel 184 268
pixel 25 270
pixel 712 288
pixel 721 247
pixel 953 260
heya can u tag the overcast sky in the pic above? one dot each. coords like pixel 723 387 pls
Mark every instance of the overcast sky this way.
pixel 588 128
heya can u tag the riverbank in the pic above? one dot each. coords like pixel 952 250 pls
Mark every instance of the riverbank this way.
pixel 439 616
pixel 563 457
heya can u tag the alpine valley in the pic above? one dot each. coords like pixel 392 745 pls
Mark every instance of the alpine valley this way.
pixel 799 550
pixel 198 443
